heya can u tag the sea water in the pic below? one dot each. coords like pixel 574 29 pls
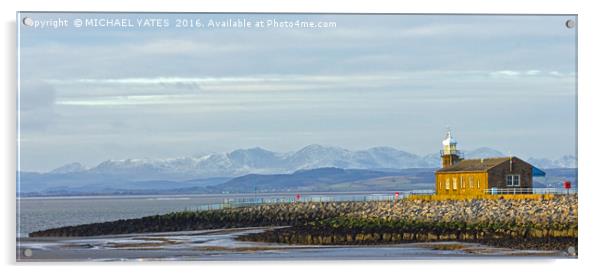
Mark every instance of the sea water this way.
pixel 40 213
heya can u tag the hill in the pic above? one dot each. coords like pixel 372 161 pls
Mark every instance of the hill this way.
pixel 328 179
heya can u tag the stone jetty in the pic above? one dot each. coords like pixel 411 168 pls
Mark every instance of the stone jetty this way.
pixel 540 224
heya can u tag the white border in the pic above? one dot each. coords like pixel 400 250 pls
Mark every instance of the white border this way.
pixel 589 132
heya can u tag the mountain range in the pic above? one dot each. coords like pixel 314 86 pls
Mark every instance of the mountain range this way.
pixel 217 168
pixel 261 161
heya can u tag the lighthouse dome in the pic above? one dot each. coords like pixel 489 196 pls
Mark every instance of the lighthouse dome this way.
pixel 449 140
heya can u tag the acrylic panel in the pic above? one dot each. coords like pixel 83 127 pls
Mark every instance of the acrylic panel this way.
pixel 291 136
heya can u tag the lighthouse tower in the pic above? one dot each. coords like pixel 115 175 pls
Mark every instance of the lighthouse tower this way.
pixel 449 154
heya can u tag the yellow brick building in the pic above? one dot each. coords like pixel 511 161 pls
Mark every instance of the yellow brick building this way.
pixel 508 175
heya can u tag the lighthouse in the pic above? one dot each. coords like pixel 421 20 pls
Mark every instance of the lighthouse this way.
pixel 450 155
pixel 481 176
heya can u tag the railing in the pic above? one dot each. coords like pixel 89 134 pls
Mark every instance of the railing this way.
pixel 422 192
pixel 252 201
pixel 452 151
pixel 517 190
pixel 310 198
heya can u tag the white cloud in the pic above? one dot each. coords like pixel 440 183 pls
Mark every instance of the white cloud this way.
pixel 533 72
pixel 221 80
pixel 530 73
pixel 555 73
pixel 300 78
pixel 282 91
pixel 299 82
pixel 505 73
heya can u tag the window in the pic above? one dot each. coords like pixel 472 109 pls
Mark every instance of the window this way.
pixel 513 180
pixel 470 182
pixel 478 183
pixel 455 182
pixel 447 183
pixel 462 182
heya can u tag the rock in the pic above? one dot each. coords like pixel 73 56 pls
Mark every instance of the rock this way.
pixel 386 237
pixel 479 219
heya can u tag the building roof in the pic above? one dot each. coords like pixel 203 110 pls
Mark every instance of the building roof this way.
pixel 483 164
pixel 538 172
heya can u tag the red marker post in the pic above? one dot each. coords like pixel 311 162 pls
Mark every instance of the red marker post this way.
pixel 567 186
pixel 396 196
pixel 298 197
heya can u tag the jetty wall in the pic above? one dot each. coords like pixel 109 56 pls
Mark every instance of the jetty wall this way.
pixel 550 218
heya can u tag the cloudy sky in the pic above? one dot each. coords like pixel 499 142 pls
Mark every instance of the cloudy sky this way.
pixel 92 94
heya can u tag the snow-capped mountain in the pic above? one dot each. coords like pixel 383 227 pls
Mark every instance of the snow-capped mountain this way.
pixel 261 161
pixel 215 168
pixel 567 161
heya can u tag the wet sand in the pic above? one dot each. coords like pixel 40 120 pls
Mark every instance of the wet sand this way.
pixel 221 244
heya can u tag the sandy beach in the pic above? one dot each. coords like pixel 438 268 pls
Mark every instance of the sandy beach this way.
pixel 221 244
